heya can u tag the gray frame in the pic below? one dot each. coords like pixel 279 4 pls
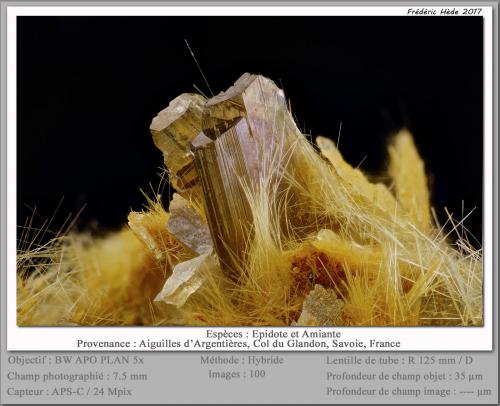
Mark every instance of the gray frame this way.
pixel 179 358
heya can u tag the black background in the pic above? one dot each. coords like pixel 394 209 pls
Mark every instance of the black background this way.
pixel 88 88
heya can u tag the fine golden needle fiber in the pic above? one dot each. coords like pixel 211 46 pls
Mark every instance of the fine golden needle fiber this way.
pixel 264 229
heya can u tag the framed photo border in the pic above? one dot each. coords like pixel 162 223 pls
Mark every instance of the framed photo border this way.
pixel 4 123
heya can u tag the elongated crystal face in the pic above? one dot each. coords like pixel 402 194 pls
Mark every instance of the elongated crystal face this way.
pixel 224 177
pixel 246 131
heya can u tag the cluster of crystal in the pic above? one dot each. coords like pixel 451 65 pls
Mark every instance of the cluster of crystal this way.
pixel 237 140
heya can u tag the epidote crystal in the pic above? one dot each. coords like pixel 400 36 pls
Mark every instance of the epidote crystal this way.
pixel 173 129
pixel 243 135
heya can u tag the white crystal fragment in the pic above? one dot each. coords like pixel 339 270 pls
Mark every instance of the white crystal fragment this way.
pixel 186 278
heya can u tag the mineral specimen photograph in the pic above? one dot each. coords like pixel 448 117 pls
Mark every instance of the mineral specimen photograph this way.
pixel 249 171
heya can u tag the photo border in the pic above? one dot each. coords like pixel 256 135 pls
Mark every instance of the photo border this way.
pixel 22 338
